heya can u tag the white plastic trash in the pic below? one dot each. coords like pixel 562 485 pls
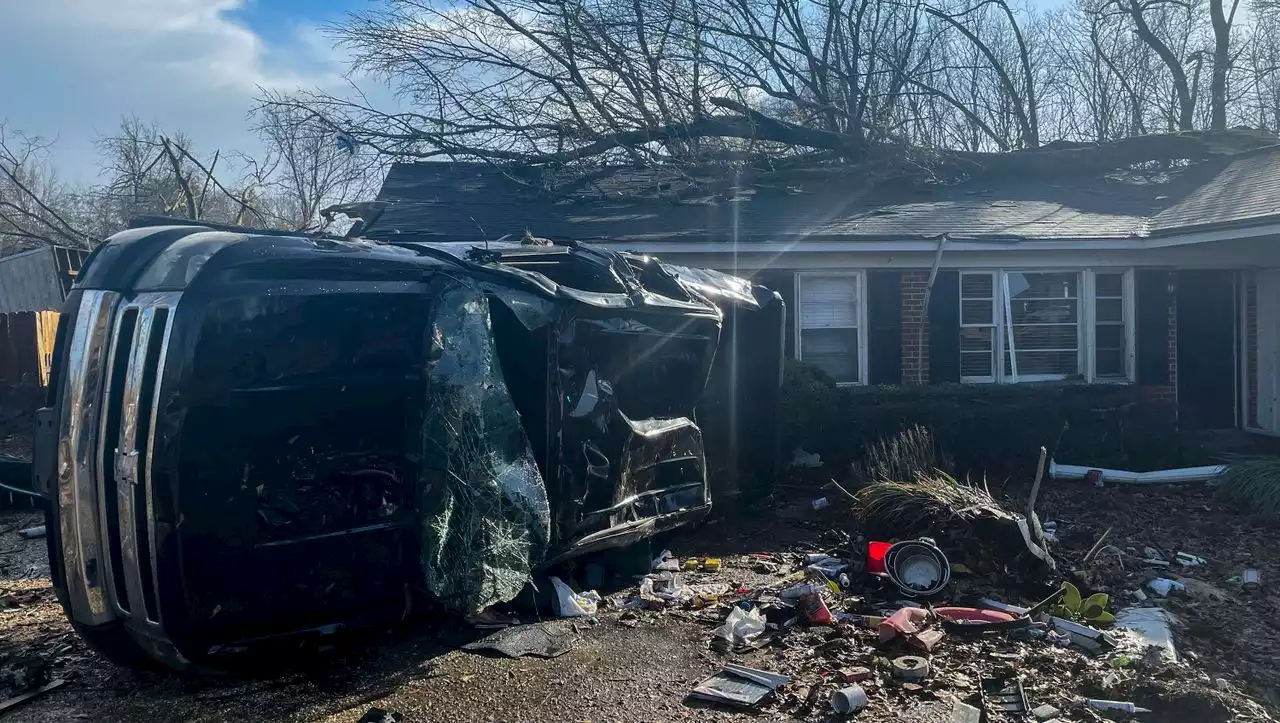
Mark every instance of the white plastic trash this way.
pixel 849 700
pixel 741 626
pixel 1164 587
pixel 1153 626
pixel 571 604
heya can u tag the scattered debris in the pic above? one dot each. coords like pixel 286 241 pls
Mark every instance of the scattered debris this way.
pixel 1153 627
pixel 906 622
pixel 910 667
pixel 742 627
pixel 1164 587
pixel 962 712
pixel 1006 696
pixel 32 533
pixel 856 675
pixel 378 715
pixel 1122 706
pixel 1119 476
pixel 821 503
pixel 849 700
pixel 917 567
pixel 805 460
pixel 666 562
pixel 543 640
pixel 572 604
pixel 30 695
pixel 1045 712
pixel 739 685
pixel 1186 559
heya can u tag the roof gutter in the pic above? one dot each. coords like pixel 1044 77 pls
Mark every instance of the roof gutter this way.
pixel 922 246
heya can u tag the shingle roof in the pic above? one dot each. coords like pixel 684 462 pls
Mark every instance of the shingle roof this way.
pixel 1248 189
pixel 472 201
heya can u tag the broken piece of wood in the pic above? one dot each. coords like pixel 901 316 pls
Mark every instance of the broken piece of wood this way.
pixel 30 695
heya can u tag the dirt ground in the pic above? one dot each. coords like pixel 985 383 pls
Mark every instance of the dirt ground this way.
pixel 640 665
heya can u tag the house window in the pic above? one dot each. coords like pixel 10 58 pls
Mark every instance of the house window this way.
pixel 831 324
pixel 1111 348
pixel 1045 325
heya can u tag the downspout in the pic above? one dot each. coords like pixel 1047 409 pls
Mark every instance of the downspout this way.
pixel 924 313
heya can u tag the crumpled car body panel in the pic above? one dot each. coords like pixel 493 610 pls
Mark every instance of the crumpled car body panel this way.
pixel 263 435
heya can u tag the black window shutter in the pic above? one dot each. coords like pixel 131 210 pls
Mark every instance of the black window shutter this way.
pixel 1152 299
pixel 944 328
pixel 884 327
pixel 784 282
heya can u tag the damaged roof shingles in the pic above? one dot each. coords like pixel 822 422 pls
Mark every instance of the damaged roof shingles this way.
pixel 476 202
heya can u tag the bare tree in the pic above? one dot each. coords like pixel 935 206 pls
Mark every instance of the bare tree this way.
pixel 34 207
pixel 306 167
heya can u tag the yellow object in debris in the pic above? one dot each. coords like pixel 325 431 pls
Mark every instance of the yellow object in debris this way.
pixel 690 565
pixel 959 569
pixel 711 564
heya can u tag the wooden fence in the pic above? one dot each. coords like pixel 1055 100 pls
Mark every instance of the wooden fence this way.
pixel 26 347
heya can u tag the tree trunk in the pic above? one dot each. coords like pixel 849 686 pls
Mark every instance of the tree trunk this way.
pixel 1221 61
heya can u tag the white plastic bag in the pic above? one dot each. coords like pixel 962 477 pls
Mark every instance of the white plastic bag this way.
pixel 742 626
pixel 572 604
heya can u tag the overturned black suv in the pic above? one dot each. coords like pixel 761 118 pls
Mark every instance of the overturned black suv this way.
pixel 253 435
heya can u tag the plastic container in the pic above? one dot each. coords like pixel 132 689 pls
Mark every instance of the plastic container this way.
pixel 875 556
pixel 849 700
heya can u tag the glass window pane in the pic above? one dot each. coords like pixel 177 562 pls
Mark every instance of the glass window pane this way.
pixel 1030 338
pixel 1110 310
pixel 1057 363
pixel 835 351
pixel 976 312
pixel 1043 286
pixel 975 364
pixel 1044 311
pixel 1109 284
pixel 828 302
pixel 1110 363
pixel 1110 336
pixel 977 339
pixel 977 286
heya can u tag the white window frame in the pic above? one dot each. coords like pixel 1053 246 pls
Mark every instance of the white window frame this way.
pixel 1086 330
pixel 861 276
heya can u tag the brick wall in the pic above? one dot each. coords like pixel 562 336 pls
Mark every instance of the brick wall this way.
pixel 915 350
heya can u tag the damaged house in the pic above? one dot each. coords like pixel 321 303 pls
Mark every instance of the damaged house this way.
pixel 1167 279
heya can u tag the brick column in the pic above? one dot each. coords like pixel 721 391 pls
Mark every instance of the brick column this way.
pixel 915 355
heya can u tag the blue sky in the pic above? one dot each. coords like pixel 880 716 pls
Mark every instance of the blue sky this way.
pixel 73 68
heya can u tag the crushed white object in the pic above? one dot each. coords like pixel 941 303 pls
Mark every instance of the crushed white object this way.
pixel 1125 477
pixel 1153 627
pixel 1050 531
pixel 1164 587
pixel 807 460
pixel 742 626
pixel 829 566
pixel 1186 559
pixel 666 562
pixel 573 604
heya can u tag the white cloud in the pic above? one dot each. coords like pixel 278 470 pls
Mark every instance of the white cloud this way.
pixel 72 68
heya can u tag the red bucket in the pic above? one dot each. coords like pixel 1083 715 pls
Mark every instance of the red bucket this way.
pixel 875 556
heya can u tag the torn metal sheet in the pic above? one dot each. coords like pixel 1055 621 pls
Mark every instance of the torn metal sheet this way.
pixel 484 505
pixel 739 685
